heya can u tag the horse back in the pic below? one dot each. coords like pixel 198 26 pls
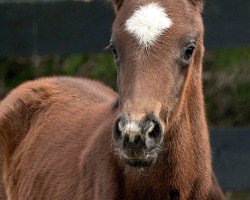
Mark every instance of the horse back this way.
pixel 47 126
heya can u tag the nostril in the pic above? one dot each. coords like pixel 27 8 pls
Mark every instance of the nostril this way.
pixel 126 141
pixel 138 140
pixel 155 132
pixel 117 131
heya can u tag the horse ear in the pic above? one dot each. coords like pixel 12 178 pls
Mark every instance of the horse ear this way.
pixel 117 4
pixel 198 3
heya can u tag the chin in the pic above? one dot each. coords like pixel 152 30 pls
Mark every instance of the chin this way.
pixel 139 163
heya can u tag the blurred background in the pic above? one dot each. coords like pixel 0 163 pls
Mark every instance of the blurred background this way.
pixel 48 38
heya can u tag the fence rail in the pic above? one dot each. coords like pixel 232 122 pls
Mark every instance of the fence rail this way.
pixel 231 157
pixel 65 27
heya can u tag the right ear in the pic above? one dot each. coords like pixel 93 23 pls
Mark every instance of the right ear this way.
pixel 117 4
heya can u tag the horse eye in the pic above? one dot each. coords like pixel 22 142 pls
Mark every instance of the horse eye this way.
pixel 188 52
pixel 114 51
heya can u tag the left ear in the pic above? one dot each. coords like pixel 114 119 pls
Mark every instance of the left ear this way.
pixel 198 3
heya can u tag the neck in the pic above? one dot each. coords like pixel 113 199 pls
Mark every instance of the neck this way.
pixel 184 166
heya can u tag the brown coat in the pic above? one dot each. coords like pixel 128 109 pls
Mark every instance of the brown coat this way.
pixel 58 145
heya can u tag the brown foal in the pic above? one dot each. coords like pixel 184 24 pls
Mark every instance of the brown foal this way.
pixel 69 138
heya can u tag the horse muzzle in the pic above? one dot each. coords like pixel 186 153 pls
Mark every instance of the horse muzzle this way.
pixel 138 142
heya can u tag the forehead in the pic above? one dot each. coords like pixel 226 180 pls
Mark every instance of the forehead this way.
pixel 147 21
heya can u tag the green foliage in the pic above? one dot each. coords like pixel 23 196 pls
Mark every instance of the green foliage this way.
pixel 227 87
pixel 14 72
pixel 72 63
pixel 229 59
pixel 103 69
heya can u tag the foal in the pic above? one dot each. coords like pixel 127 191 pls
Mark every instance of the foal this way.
pixel 67 138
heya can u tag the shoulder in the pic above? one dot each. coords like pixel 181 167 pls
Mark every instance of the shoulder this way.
pixel 32 98
pixel 45 90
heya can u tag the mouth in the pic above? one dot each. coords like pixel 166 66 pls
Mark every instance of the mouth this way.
pixel 138 162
